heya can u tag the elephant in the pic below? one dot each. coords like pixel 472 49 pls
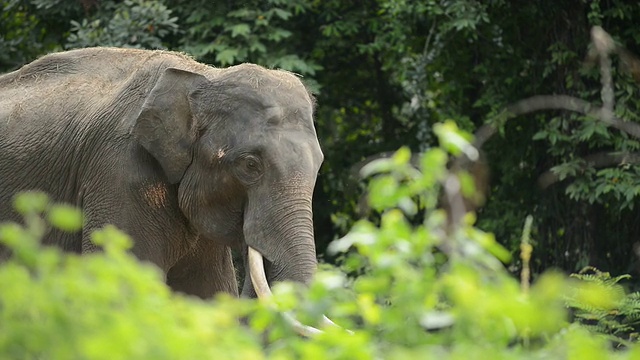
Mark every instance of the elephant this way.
pixel 190 160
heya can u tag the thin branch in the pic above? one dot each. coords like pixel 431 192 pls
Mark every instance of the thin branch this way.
pixel 557 102
pixel 597 160
pixel 427 43
pixel 525 254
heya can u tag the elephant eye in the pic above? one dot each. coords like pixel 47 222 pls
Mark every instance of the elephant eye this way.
pixel 251 164
pixel 249 168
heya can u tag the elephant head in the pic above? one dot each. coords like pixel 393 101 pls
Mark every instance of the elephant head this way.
pixel 240 144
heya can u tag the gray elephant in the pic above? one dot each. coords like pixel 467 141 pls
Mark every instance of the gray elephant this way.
pixel 190 160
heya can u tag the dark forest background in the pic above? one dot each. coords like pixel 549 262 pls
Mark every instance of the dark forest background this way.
pixel 385 71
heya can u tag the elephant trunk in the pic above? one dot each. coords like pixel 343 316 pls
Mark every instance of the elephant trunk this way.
pixel 296 261
pixel 282 232
pixel 279 228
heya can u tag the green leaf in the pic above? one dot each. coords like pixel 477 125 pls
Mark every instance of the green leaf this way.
pixel 454 139
pixel 243 13
pixel 540 135
pixel 257 46
pixel 65 217
pixel 240 30
pixel 278 34
pixel 281 13
pixel 32 202
pixel 402 156
pixel 226 56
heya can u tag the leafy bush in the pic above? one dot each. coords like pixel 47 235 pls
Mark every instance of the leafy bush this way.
pixel 131 23
pixel 438 290
pixel 103 306
pixel 620 320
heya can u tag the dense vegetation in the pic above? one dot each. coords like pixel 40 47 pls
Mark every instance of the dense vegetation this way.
pixel 438 289
pixel 385 71
pixel 387 74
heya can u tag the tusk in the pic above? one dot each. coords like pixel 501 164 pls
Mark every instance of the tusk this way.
pixel 259 281
pixel 258 277
pixel 328 322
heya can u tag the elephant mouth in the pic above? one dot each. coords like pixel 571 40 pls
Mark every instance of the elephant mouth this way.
pixel 262 289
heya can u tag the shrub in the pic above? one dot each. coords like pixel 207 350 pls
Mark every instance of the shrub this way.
pixel 104 305
pixel 437 289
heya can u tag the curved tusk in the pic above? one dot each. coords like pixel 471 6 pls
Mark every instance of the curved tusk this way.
pixel 258 277
pixel 261 286
pixel 259 281
pixel 328 322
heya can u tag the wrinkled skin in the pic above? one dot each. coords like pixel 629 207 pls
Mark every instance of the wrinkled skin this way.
pixel 189 160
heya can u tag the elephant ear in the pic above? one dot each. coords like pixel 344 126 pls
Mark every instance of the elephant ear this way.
pixel 165 124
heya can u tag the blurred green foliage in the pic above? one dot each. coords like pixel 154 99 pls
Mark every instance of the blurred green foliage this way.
pixel 386 71
pixel 616 314
pixel 423 290
pixel 105 305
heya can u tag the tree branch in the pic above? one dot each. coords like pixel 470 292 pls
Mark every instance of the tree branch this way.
pixel 597 160
pixel 603 47
pixel 557 102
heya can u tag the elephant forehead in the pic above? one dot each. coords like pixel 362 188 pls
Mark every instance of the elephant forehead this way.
pixel 264 86
pixel 287 115
pixel 295 149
